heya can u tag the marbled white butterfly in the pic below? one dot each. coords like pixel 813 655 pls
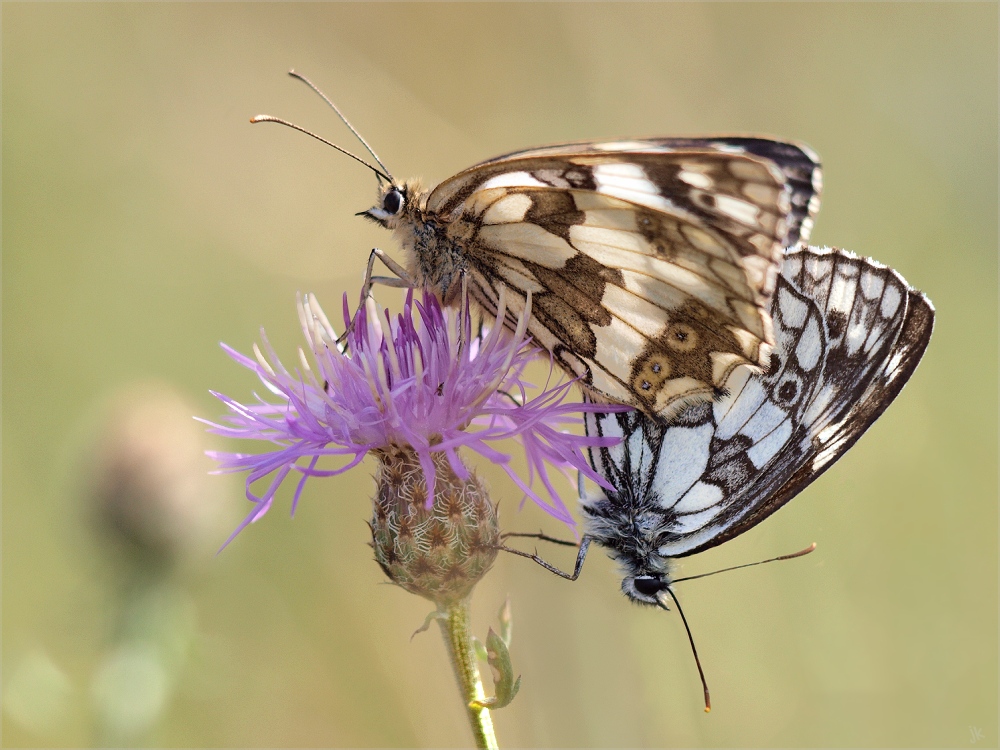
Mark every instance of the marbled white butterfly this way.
pixel 651 264
pixel 849 333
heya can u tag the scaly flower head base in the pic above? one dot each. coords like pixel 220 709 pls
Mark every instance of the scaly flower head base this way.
pixel 441 552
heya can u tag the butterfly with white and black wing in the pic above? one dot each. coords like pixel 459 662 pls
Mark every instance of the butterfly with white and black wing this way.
pixel 650 263
pixel 849 333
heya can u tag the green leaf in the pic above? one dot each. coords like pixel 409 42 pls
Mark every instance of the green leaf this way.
pixel 504 683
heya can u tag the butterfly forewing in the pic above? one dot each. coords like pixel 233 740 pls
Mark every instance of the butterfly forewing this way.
pixel 798 163
pixel 651 263
pixel 848 334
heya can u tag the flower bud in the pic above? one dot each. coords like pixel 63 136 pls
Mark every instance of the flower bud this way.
pixel 146 482
pixel 440 552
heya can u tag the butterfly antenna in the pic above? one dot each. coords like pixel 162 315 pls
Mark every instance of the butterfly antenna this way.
pixel 268 118
pixel 800 553
pixel 347 122
pixel 697 661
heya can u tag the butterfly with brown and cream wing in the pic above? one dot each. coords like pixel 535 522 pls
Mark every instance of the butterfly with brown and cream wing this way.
pixel 650 264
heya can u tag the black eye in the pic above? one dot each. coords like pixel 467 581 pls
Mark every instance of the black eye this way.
pixel 393 202
pixel 648 585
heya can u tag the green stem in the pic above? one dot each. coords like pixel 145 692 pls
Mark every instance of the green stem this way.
pixel 458 641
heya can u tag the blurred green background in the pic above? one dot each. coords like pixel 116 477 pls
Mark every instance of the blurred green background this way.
pixel 145 221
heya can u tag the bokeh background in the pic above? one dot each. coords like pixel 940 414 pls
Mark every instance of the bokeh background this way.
pixel 145 221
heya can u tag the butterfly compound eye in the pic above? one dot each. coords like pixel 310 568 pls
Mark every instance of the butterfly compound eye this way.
pixel 648 585
pixel 392 203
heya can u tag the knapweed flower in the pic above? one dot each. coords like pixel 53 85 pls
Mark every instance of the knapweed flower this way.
pixel 411 390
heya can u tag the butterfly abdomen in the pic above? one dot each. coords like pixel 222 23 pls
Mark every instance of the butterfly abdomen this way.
pixel 630 528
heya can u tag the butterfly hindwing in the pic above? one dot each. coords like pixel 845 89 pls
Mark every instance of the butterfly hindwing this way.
pixel 848 334
pixel 707 457
pixel 834 443
pixel 622 298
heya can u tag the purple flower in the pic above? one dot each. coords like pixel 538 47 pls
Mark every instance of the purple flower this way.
pixel 420 381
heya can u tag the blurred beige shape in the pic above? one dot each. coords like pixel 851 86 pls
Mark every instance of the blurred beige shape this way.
pixel 148 475
pixel 130 689
pixel 37 693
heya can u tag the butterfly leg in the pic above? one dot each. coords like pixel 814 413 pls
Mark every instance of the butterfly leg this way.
pixel 581 555
pixel 540 535
pixel 401 280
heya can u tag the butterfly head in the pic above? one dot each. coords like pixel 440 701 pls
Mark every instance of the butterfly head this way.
pixel 397 203
pixel 631 535
pixel 647 588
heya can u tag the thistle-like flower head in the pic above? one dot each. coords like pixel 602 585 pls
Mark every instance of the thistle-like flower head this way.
pixel 420 382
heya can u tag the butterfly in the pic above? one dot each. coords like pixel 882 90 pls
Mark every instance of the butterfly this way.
pixel 849 332
pixel 650 264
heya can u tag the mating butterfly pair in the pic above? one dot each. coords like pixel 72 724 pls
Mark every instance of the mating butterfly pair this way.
pixel 653 269
pixel 672 275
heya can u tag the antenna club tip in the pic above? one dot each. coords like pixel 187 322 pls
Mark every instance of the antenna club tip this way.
pixel 708 709
pixel 258 118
